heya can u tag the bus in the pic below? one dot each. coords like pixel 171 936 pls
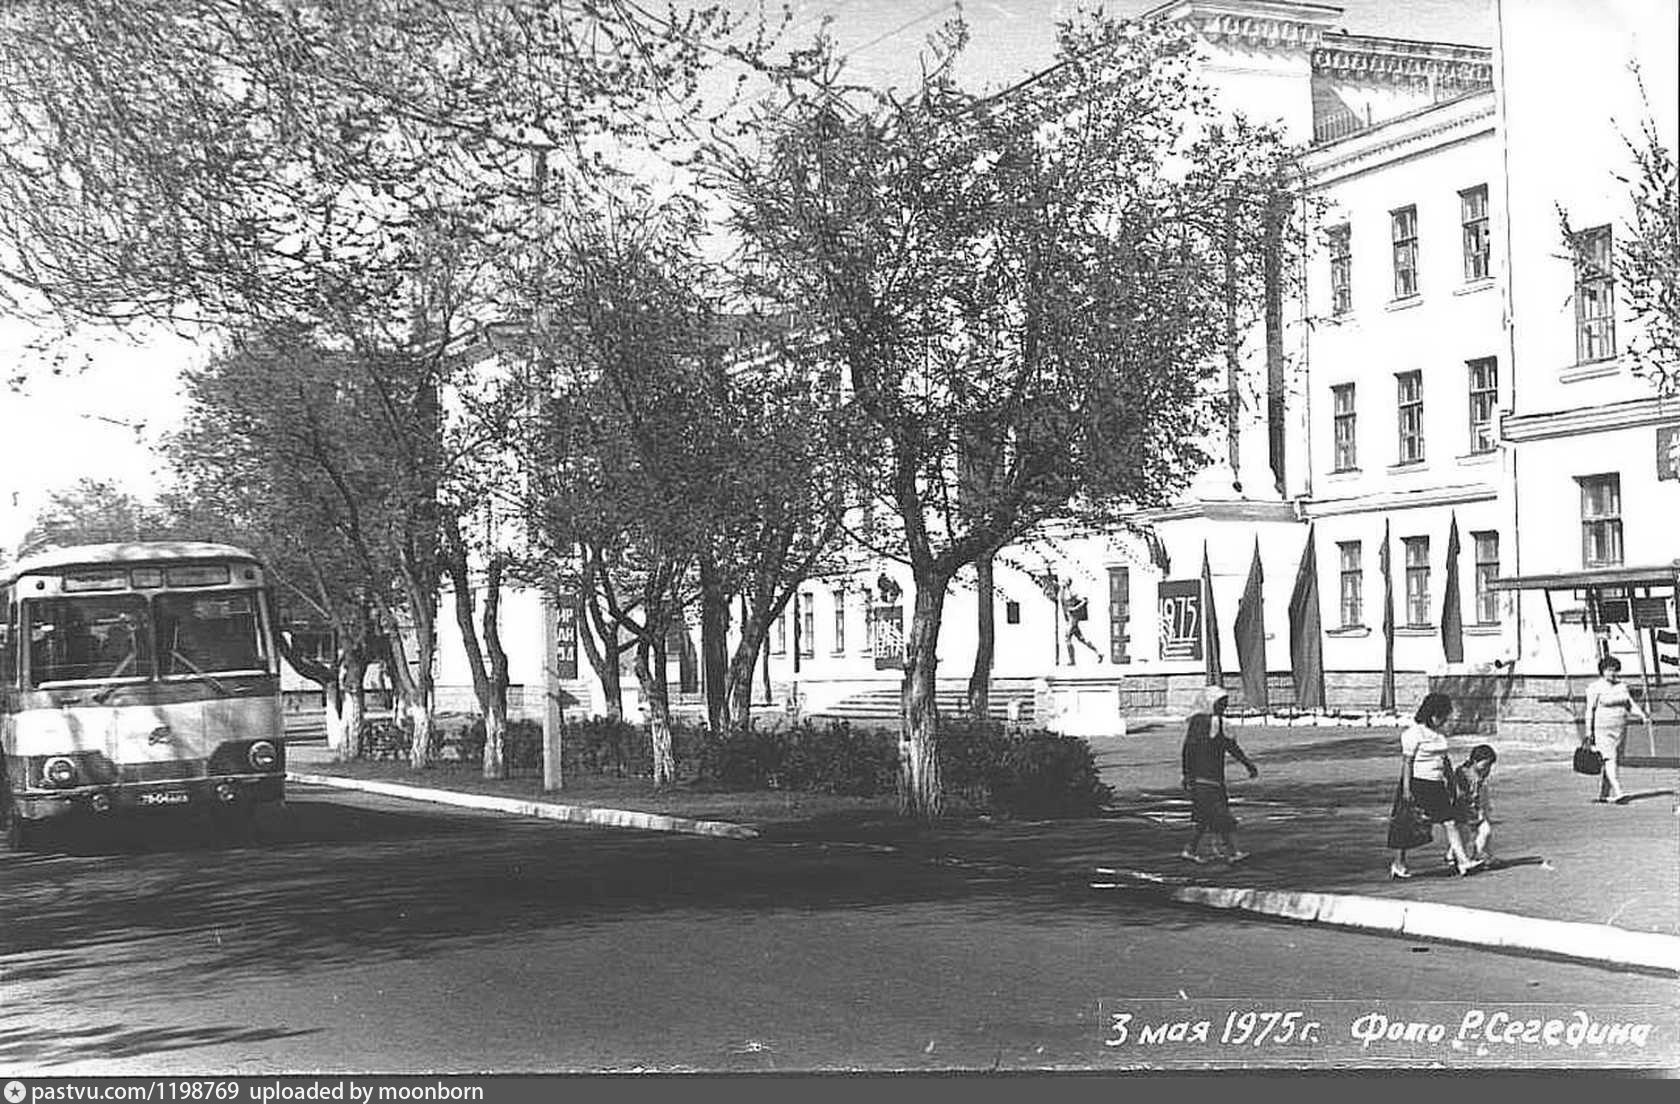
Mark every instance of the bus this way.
pixel 137 677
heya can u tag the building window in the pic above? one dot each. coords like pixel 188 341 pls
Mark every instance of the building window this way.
pixel 1341 269
pixel 1353 584
pixel 778 636
pixel 1410 403
pixel 1012 613
pixel 1484 393
pixel 1473 204
pixel 1404 222
pixel 839 621
pixel 1601 520
pixel 807 627
pixel 1487 570
pixel 1417 582
pixel 1595 316
pixel 1346 456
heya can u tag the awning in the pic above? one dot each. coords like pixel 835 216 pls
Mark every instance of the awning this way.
pixel 1655 575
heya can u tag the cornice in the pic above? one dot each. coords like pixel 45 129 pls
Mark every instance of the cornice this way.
pixel 1400 500
pixel 1253 22
pixel 1441 64
pixel 1401 135
pixel 1630 414
pixel 1249 510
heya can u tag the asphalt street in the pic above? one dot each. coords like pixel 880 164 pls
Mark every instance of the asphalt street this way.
pixel 362 934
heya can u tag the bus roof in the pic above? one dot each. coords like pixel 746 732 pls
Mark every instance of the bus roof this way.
pixel 127 553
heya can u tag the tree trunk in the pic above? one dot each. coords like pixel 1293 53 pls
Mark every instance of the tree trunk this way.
pixel 603 655
pixel 980 682
pixel 496 706
pixel 921 792
pixel 352 702
pixel 655 692
pixel 714 644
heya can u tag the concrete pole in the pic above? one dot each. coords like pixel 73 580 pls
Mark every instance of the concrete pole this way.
pixel 553 718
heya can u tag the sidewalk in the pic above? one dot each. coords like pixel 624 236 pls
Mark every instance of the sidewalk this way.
pixel 1603 881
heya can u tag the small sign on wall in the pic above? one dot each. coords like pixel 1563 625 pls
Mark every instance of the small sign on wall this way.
pixel 1181 618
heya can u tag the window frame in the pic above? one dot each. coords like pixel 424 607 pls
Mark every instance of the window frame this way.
pixel 807 614
pixel 1478 243
pixel 1351 588
pixel 1595 286
pixel 1404 250
pixel 1344 454
pixel 1417 581
pixel 1483 393
pixel 839 621
pixel 1341 269
pixel 1408 409
pixel 1486 570
pixel 1608 523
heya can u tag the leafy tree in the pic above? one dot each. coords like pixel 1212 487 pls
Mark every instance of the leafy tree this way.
pixel 95 511
pixel 1039 280
pixel 1648 260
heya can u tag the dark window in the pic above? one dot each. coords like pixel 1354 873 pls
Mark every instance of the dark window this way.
pixel 807 624
pixel 1473 202
pixel 1601 520
pixel 1595 297
pixel 839 621
pixel 1417 581
pixel 1484 394
pixel 778 636
pixel 1346 451
pixel 1410 403
pixel 88 638
pixel 1404 224
pixel 208 634
pixel 1341 269
pixel 1012 613
pixel 1487 570
pixel 1353 583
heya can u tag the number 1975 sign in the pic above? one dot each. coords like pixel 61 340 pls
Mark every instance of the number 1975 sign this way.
pixel 1181 619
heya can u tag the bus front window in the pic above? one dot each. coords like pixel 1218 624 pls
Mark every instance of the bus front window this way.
pixel 96 638
pixel 201 634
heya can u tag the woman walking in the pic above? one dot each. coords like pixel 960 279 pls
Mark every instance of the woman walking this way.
pixel 1203 757
pixel 1425 779
pixel 1608 705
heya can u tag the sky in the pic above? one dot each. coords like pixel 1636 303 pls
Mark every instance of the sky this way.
pixel 106 421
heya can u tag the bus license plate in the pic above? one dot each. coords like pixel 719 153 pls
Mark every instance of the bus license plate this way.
pixel 164 797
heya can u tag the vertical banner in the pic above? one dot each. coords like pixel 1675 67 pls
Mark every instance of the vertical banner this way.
pixel 1452 615
pixel 1251 637
pixel 1306 632
pixel 1180 611
pixel 1211 666
pixel 1387 701
pixel 1119 613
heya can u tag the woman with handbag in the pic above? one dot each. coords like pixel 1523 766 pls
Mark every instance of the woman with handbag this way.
pixel 1608 704
pixel 1425 796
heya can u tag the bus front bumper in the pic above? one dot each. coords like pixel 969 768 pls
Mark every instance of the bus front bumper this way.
pixel 217 792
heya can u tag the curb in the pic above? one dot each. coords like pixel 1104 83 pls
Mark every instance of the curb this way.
pixel 1596 944
pixel 573 814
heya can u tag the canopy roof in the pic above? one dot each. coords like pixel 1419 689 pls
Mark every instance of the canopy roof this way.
pixel 1654 575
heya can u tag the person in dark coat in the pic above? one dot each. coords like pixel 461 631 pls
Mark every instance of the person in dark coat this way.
pixel 1205 747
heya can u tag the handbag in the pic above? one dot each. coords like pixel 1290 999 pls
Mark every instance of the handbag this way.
pixel 1588 761
pixel 1408 825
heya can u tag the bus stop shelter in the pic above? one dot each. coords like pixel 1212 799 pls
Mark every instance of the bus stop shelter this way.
pixel 1638 606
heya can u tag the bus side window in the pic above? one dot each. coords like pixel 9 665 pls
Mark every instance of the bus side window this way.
pixel 8 648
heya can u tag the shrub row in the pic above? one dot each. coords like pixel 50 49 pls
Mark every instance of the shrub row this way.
pixel 1036 773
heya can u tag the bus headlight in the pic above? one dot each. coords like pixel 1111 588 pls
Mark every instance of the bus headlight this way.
pixel 263 755
pixel 59 771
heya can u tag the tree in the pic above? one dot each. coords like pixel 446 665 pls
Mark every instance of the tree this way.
pixel 95 511
pixel 1042 276
pixel 1648 260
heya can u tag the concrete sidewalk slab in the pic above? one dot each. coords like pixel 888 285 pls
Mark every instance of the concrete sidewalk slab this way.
pixel 572 814
pixel 1596 944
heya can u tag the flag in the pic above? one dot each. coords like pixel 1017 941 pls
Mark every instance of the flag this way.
pixel 1306 641
pixel 1251 638
pixel 1210 627
pixel 1452 618
pixel 1387 700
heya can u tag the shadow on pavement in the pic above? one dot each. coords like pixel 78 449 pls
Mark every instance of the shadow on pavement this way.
pixel 34 1045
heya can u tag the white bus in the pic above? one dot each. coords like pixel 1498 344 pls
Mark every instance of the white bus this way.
pixel 137 677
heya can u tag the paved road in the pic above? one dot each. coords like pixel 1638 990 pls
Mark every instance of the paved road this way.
pixel 368 935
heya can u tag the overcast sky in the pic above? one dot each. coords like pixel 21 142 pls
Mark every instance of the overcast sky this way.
pixel 105 422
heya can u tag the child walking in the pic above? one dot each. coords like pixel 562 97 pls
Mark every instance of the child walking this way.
pixel 1205 748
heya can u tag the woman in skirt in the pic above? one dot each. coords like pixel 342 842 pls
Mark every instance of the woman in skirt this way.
pixel 1426 780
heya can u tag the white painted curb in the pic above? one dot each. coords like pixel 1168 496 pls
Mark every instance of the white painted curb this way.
pixel 574 814
pixel 1599 944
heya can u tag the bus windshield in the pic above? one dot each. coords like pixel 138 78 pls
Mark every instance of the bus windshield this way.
pixel 98 637
pixel 211 633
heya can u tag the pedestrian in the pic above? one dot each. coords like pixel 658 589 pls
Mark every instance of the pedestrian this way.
pixel 1608 704
pixel 1475 800
pixel 1425 778
pixel 1203 756
pixel 1075 610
